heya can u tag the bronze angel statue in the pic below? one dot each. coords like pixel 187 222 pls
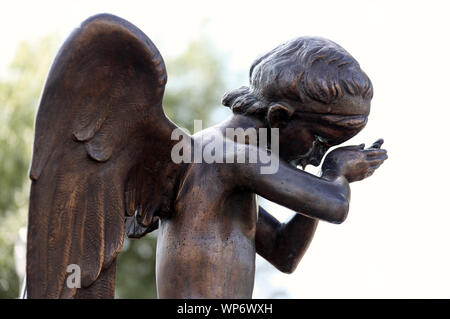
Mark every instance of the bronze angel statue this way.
pixel 103 165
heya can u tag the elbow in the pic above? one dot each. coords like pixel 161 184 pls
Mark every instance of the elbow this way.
pixel 340 212
pixel 340 201
pixel 289 262
pixel 287 268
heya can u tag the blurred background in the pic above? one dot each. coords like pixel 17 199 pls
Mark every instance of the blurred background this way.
pixel 395 242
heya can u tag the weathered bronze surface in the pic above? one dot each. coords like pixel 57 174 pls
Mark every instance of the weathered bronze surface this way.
pixel 102 166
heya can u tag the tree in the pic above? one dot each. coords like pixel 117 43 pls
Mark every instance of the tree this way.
pixel 195 85
pixel 19 94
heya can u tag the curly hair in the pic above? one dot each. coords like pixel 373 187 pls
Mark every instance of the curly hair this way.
pixel 304 69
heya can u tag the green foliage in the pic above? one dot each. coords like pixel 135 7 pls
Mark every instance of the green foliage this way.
pixel 195 85
pixel 19 95
pixel 194 88
pixel 136 273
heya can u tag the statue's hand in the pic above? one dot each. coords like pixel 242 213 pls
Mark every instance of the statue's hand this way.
pixel 354 162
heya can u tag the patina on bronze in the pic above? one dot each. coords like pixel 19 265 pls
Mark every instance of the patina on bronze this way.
pixel 102 166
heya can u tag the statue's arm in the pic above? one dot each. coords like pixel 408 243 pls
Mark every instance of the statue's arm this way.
pixel 325 198
pixel 283 244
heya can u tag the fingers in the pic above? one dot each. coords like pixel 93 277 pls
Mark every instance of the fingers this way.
pixel 372 153
pixel 376 163
pixel 379 156
pixel 377 143
pixel 375 157
pixel 354 147
pixel 369 173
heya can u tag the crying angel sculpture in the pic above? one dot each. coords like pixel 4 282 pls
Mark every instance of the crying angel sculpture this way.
pixel 102 166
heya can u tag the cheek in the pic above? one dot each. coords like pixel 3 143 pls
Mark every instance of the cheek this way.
pixel 295 141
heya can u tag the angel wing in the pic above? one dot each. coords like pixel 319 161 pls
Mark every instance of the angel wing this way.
pixel 101 153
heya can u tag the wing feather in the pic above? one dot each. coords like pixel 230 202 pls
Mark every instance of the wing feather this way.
pixel 100 121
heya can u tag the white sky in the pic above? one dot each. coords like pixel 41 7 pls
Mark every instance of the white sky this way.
pixel 396 240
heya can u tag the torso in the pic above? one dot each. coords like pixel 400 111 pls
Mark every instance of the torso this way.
pixel 206 248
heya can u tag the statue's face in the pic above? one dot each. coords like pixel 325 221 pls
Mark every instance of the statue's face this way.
pixel 307 136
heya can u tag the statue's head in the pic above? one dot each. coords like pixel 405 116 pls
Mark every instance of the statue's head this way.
pixel 312 90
